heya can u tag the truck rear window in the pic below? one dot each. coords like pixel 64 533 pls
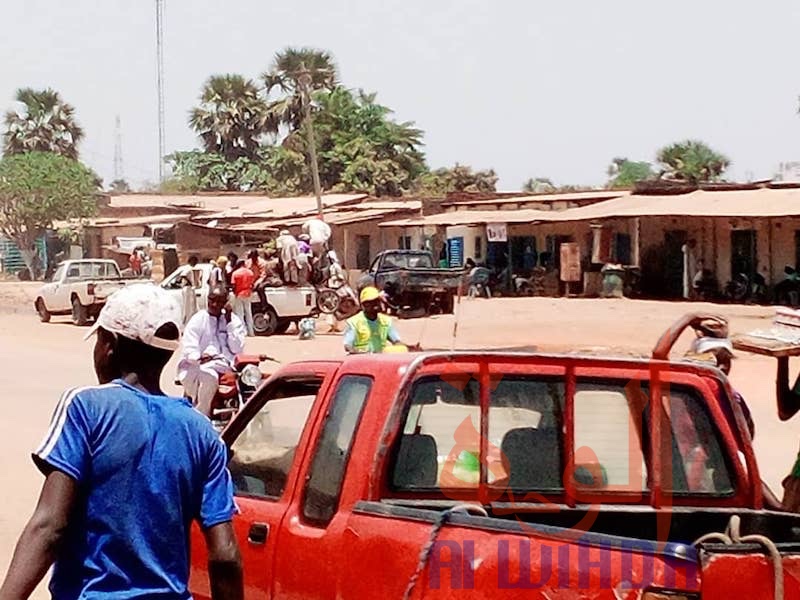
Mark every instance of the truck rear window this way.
pixel 440 446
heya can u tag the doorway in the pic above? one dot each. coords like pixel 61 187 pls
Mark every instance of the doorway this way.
pixel 362 252
pixel 744 255
pixel 674 240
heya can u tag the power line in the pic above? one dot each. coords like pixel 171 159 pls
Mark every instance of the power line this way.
pixel 160 60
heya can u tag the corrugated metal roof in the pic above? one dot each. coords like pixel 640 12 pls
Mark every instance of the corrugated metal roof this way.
pixel 131 221
pixel 365 211
pixel 475 217
pixel 285 207
pixel 763 202
pixel 598 195
pixel 222 203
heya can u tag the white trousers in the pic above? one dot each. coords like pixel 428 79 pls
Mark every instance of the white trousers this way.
pixel 243 308
pixel 201 384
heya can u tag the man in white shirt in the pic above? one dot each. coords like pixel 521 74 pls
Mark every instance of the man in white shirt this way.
pixel 211 340
pixel 319 233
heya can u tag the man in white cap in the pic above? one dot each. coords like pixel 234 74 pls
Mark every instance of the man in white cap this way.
pixel 127 470
pixel 212 339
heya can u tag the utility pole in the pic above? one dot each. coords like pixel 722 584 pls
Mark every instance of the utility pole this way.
pixel 119 171
pixel 160 77
pixel 304 81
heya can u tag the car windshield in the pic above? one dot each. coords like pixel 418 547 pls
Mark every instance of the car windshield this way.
pixel 408 261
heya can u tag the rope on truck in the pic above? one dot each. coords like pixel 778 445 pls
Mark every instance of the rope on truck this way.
pixel 733 536
pixel 438 523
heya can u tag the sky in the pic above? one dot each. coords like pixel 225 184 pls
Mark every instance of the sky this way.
pixel 532 89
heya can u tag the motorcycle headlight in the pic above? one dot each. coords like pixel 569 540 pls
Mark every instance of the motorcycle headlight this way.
pixel 250 376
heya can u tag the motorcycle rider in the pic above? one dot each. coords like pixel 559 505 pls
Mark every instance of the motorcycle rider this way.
pixel 211 340
pixel 370 331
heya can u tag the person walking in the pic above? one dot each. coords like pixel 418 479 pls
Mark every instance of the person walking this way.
pixel 127 470
pixel 243 280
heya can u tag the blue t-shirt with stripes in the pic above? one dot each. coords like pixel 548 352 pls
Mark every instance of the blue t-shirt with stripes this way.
pixel 147 467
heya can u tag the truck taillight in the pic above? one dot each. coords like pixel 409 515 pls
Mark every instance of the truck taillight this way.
pixel 670 595
pixel 90 289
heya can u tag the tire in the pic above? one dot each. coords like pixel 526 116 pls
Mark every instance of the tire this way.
pixel 266 322
pixel 526 289
pixel 328 301
pixel 44 314
pixel 79 313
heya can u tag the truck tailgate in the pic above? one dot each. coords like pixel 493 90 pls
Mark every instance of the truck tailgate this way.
pixel 747 571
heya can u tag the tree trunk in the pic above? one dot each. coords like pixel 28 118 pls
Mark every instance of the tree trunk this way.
pixel 29 252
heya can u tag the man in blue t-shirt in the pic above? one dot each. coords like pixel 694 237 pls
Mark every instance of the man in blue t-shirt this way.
pixel 127 470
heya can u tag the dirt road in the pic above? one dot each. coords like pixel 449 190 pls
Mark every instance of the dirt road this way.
pixel 40 361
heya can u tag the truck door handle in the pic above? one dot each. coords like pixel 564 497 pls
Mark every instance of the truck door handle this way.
pixel 258 533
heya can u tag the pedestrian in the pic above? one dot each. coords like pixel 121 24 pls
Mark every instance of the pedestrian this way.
pixel 303 260
pixel 243 280
pixel 233 258
pixel 259 268
pixel 319 233
pixel 287 244
pixel 127 470
pixel 216 277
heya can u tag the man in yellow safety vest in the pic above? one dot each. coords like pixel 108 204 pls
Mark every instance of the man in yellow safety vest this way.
pixel 370 331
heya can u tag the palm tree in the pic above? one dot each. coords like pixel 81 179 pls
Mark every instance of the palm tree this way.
pixel 692 161
pixel 45 123
pixel 284 77
pixel 232 117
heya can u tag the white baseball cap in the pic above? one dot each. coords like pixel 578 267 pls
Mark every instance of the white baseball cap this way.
pixel 137 311
pixel 704 345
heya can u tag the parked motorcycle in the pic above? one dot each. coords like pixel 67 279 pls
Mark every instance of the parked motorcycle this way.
pixel 479 279
pixel 741 289
pixel 787 292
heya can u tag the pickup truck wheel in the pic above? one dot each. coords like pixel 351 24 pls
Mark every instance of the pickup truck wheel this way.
pixel 79 312
pixel 266 322
pixel 44 314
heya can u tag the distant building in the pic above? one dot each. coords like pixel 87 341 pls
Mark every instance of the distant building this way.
pixel 789 171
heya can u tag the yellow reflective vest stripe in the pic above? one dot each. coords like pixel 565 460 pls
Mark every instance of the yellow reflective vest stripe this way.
pixel 364 332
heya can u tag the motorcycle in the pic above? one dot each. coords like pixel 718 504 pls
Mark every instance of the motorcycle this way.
pixel 236 387
pixel 479 279
pixel 741 289
pixel 341 302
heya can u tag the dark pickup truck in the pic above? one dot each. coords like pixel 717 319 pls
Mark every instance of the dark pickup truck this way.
pixel 413 282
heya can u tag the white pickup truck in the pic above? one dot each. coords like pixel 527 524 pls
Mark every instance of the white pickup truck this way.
pixel 80 288
pixel 285 305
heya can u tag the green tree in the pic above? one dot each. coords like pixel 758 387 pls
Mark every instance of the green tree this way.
pixel 624 173
pixel 460 178
pixel 232 117
pixel 361 148
pixel 37 189
pixel 283 83
pixel 44 123
pixel 539 185
pixel 692 161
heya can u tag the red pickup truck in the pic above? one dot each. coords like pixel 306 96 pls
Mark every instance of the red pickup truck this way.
pixel 495 475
